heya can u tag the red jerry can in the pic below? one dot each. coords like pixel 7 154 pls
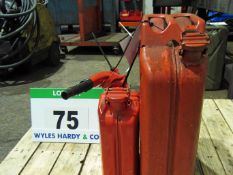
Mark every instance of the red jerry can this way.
pixel 119 128
pixel 173 64
pixel 119 121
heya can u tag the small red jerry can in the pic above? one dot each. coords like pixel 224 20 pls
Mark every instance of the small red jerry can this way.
pixel 119 121
pixel 173 66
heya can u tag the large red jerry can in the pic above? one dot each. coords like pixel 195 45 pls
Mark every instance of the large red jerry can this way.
pixel 119 122
pixel 173 66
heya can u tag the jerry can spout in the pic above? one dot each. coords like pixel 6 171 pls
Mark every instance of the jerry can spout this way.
pixel 194 46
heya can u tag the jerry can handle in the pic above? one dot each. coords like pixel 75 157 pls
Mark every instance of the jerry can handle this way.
pixel 167 18
pixel 171 22
pixel 83 86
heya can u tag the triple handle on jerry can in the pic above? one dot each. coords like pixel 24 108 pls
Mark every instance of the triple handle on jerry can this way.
pixel 173 65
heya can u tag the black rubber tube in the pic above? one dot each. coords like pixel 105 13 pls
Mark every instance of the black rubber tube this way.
pixel 78 89
pixel 23 45
pixel 32 8
pixel 30 54
pixel 26 15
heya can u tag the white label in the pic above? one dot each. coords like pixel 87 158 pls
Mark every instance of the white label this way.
pixel 57 120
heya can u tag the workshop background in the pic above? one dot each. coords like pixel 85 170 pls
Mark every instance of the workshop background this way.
pixel 58 43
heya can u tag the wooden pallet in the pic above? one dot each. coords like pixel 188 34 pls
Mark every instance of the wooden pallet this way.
pixel 215 151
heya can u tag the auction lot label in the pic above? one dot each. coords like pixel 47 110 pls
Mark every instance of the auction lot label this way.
pixel 57 120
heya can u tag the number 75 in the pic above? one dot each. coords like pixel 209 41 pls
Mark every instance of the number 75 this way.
pixel 71 117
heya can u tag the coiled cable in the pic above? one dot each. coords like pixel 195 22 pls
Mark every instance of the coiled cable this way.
pixel 16 16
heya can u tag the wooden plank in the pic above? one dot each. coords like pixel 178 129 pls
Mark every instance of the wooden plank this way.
pixel 207 155
pixel 226 108
pixel 198 169
pixel 93 163
pixel 71 159
pixel 215 150
pixel 19 156
pixel 220 134
pixel 43 159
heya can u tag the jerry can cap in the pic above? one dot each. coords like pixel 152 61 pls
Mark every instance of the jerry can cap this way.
pixel 194 40
pixel 117 95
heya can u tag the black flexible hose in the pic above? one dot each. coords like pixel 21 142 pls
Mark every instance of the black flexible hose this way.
pixel 30 54
pixel 27 15
pixel 18 30
pixel 16 51
pixel 32 8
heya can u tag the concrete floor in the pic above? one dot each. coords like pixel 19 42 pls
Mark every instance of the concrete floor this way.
pixel 14 90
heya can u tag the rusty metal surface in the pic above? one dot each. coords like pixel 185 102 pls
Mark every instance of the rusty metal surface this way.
pixel 119 116
pixel 90 18
pixel 173 67
pixel 118 111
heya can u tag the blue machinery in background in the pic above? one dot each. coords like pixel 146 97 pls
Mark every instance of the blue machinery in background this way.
pixel 65 12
